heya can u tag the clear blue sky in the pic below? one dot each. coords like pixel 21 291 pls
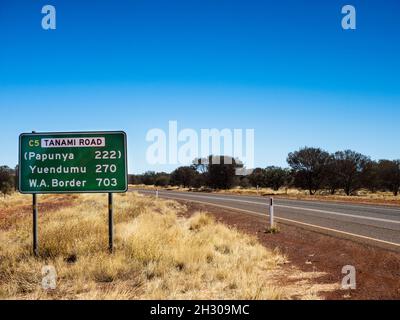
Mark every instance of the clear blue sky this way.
pixel 285 68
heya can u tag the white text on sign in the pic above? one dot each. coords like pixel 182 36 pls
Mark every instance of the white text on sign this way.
pixel 73 142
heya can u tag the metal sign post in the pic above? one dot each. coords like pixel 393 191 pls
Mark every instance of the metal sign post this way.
pixel 110 223
pixel 35 226
pixel 35 223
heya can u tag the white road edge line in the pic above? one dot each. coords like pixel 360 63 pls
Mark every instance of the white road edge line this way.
pixel 294 221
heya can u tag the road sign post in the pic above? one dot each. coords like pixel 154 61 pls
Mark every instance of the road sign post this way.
pixel 72 162
pixel 110 223
pixel 35 225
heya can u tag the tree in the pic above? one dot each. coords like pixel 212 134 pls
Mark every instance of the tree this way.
pixel 244 182
pixel 200 164
pixel 16 178
pixel 351 168
pixel 370 177
pixel 149 178
pixel 6 180
pixel 162 179
pixel 332 180
pixel 221 173
pixel 183 176
pixel 309 167
pixel 276 177
pixel 258 178
pixel 389 173
pixel 200 180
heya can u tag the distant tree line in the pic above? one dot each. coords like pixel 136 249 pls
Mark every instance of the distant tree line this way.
pixel 311 169
pixel 314 169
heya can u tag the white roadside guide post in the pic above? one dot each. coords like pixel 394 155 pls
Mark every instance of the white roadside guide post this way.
pixel 271 212
pixel 156 193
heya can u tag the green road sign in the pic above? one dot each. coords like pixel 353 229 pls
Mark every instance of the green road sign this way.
pixel 73 162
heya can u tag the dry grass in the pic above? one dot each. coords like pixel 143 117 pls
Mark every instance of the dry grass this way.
pixel 362 196
pixel 263 191
pixel 159 255
pixel 291 192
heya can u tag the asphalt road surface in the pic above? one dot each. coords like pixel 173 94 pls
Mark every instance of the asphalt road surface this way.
pixel 374 224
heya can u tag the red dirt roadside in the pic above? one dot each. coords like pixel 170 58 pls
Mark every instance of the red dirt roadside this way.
pixel 377 270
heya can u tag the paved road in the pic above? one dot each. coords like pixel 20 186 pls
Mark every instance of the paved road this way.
pixel 369 223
